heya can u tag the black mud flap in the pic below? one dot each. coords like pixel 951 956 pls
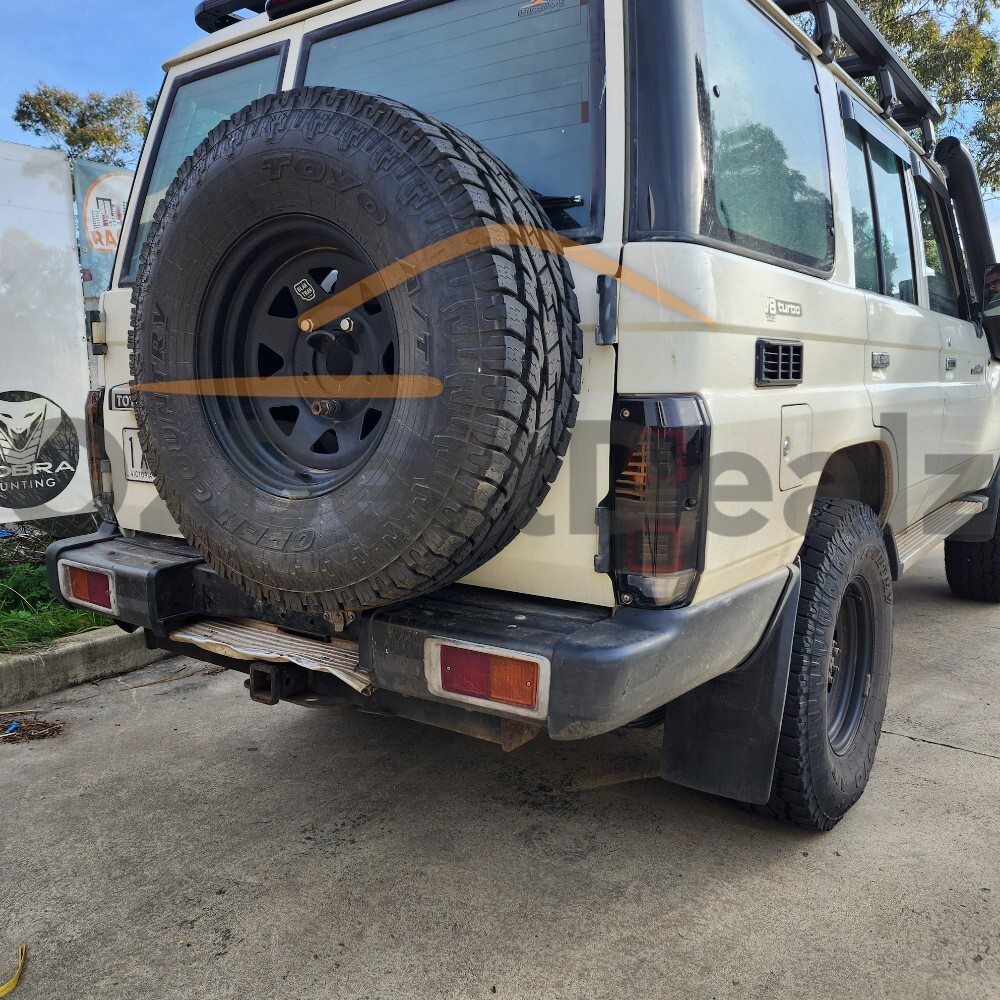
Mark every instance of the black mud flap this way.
pixel 722 737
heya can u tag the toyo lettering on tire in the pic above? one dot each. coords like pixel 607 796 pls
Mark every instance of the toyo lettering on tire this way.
pixel 296 483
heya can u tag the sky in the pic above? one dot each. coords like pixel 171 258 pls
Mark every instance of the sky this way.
pixel 102 45
pixel 110 46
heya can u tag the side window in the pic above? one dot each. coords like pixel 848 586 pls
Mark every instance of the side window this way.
pixel 883 251
pixel 940 266
pixel 768 184
pixel 893 222
pixel 195 109
pixel 862 212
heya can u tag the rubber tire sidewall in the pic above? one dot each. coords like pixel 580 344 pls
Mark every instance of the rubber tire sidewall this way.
pixel 844 542
pixel 228 512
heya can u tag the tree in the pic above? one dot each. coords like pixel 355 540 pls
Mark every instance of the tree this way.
pixel 108 128
pixel 953 49
pixel 756 191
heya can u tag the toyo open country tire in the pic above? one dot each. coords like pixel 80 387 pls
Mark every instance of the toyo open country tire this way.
pixel 973 569
pixel 300 196
pixel 839 677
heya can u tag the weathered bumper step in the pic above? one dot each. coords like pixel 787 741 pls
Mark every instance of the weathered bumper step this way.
pixel 242 640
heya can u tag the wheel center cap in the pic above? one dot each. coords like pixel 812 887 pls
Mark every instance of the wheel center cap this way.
pixel 335 355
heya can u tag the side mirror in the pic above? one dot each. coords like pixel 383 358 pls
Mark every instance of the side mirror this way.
pixel 991 291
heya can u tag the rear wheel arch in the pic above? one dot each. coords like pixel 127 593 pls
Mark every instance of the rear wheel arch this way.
pixel 859 472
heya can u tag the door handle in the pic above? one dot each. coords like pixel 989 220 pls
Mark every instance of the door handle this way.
pixel 880 359
pixel 950 364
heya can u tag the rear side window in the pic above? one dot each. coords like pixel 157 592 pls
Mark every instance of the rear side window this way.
pixel 883 249
pixel 862 212
pixel 517 77
pixel 940 270
pixel 195 109
pixel 894 227
pixel 768 182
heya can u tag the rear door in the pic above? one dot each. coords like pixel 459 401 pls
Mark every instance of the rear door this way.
pixel 904 338
pixel 540 85
pixel 965 462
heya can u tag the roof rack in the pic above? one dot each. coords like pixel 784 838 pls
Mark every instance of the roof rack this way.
pixel 899 93
pixel 214 15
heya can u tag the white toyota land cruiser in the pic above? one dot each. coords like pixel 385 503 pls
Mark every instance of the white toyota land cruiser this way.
pixel 549 366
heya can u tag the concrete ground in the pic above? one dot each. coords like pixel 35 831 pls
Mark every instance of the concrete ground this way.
pixel 179 841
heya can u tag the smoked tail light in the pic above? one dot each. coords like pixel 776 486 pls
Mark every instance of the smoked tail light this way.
pixel 660 449
pixel 98 463
pixel 90 588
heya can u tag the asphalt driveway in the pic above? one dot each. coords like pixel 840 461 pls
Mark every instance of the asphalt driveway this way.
pixel 178 840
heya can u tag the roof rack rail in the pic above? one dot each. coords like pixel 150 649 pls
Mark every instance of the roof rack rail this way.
pixel 901 96
pixel 213 15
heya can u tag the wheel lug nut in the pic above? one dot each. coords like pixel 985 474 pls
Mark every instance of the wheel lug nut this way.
pixel 347 324
pixel 326 408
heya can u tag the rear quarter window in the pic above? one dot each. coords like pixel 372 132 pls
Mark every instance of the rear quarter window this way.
pixel 768 178
pixel 195 108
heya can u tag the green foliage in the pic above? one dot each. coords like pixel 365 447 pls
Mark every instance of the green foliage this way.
pixel 23 586
pixel 30 615
pixel 759 194
pixel 108 128
pixel 953 49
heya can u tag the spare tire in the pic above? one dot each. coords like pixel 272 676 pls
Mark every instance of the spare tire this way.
pixel 343 504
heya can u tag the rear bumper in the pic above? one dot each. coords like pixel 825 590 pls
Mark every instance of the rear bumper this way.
pixel 608 668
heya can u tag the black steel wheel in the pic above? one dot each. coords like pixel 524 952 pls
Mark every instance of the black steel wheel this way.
pixel 850 665
pixel 839 676
pixel 307 443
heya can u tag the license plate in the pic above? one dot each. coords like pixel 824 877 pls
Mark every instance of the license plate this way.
pixel 136 469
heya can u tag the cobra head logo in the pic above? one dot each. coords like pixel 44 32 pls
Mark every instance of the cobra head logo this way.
pixel 25 427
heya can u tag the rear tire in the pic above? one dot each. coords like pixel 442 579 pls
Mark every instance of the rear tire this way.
pixel 973 569
pixel 839 675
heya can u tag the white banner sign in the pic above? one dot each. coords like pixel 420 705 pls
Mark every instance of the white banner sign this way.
pixel 43 352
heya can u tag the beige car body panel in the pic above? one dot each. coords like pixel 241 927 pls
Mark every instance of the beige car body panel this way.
pixel 769 445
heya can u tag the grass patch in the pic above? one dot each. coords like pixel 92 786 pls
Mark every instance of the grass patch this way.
pixel 31 616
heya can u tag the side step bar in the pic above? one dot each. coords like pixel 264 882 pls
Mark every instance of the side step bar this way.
pixel 923 535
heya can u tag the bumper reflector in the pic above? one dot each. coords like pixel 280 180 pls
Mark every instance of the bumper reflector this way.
pixel 89 587
pixel 490 676
pixel 493 678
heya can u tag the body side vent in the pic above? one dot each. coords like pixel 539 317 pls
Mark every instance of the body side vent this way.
pixel 779 362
